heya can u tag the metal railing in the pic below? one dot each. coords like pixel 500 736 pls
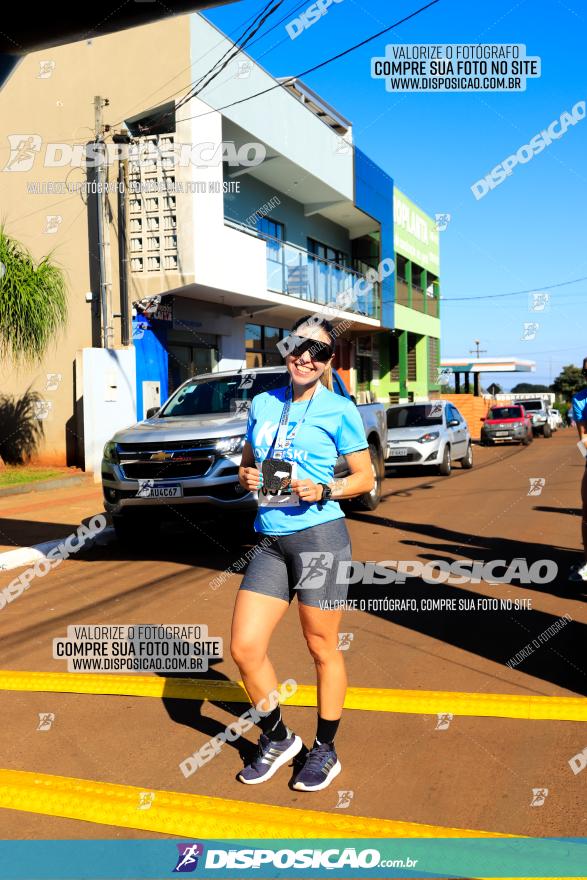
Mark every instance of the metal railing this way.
pixel 294 271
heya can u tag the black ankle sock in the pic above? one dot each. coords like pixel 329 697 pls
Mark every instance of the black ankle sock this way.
pixel 272 725
pixel 326 730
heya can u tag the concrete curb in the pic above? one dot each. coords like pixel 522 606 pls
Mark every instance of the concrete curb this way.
pixel 42 486
pixel 28 555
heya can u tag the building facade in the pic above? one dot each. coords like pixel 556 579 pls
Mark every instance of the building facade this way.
pixel 225 226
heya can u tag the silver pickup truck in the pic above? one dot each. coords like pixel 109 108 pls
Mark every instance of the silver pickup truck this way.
pixel 188 451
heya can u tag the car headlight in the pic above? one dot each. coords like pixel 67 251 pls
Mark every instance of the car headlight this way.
pixel 110 451
pixel 427 438
pixel 230 445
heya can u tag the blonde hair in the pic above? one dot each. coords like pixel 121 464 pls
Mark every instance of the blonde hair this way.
pixel 326 378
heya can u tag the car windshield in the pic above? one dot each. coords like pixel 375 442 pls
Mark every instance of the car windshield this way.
pixel 421 415
pixel 200 397
pixel 505 412
pixel 533 404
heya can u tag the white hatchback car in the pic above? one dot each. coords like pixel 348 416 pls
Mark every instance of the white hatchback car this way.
pixel 431 433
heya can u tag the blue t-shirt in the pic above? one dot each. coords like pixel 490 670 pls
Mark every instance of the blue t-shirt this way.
pixel 331 427
pixel 580 406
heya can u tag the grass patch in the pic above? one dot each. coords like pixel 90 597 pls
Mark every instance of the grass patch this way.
pixel 15 476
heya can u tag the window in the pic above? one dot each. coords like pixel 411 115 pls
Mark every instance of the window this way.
pixel 401 265
pixel 200 397
pixel 326 279
pixel 261 345
pixel 433 361
pixel 274 233
pixel 325 252
pixel 186 360
pixel 505 412
pixel 364 372
pixel 452 413
pixel 420 415
pixel 413 339
pixel 417 276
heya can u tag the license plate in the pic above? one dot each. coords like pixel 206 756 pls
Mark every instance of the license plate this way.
pixel 148 489
pixel 401 450
pixel 501 433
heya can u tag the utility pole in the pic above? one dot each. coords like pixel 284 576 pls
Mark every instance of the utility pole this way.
pixel 99 104
pixel 478 351
pixel 125 322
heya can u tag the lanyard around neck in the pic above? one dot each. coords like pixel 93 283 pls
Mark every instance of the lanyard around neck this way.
pixel 281 442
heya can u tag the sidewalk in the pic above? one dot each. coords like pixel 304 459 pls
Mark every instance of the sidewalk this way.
pixel 35 517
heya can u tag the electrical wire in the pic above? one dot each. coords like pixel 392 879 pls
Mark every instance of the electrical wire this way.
pixel 237 46
pixel 309 70
pixel 511 293
pixel 247 22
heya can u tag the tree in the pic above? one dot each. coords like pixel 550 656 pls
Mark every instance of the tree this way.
pixel 33 303
pixel 528 388
pixel 33 308
pixel 569 381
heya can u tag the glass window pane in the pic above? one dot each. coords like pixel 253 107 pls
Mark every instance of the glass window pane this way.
pixel 252 336
pixel 254 359
pixel 271 336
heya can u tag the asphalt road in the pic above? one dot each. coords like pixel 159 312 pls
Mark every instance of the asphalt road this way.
pixel 476 773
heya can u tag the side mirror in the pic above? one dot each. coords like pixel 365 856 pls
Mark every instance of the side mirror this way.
pixel 482 419
pixel 453 423
pixel 152 411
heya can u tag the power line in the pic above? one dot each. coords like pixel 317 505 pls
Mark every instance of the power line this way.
pixel 262 36
pixel 511 293
pixel 309 70
pixel 248 22
pixel 236 47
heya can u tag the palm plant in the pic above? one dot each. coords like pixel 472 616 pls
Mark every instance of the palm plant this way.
pixel 33 303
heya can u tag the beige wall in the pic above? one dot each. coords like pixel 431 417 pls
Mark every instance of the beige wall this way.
pixel 135 69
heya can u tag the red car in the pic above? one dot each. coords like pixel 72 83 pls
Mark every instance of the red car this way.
pixel 507 424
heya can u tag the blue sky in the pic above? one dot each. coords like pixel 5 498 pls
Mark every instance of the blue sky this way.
pixel 526 234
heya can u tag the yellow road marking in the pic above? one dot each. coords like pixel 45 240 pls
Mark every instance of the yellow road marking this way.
pixel 194 816
pixel 368 699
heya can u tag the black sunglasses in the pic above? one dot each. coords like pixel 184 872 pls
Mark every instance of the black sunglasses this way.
pixel 318 351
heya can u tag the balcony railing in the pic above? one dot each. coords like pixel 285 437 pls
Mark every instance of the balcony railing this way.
pixel 296 272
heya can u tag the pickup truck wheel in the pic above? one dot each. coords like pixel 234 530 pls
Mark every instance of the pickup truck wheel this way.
pixel 134 530
pixel 547 431
pixel 467 461
pixel 445 466
pixel 370 500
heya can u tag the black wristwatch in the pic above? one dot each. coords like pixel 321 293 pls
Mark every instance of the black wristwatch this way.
pixel 326 493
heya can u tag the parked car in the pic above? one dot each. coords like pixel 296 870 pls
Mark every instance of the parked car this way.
pixel 431 434
pixel 538 410
pixel 507 424
pixel 554 419
pixel 188 451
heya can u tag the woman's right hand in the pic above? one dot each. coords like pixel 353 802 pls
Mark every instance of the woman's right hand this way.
pixel 249 478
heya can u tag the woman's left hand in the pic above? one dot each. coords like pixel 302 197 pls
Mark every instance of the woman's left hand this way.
pixel 307 490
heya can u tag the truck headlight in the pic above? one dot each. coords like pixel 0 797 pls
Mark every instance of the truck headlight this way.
pixel 427 438
pixel 110 451
pixel 230 445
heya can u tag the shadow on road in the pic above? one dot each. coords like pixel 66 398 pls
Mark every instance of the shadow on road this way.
pixel 497 635
pixel 189 712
